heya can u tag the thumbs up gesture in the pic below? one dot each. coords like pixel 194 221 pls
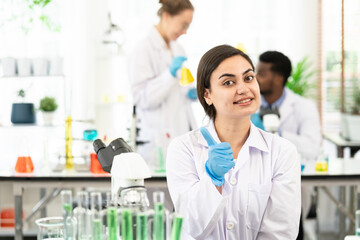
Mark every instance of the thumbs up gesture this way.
pixel 220 159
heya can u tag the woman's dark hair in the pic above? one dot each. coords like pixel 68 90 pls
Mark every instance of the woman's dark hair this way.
pixel 280 63
pixel 174 7
pixel 208 63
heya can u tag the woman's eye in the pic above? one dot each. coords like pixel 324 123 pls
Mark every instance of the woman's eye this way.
pixel 249 78
pixel 229 82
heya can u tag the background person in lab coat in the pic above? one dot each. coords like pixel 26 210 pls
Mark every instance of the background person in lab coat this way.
pixel 231 180
pixel 299 118
pixel 162 105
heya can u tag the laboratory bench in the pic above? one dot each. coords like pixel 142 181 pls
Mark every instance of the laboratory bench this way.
pixel 56 181
pixel 342 143
pixel 341 172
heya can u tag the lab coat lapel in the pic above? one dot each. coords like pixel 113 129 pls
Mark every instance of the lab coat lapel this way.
pixel 287 107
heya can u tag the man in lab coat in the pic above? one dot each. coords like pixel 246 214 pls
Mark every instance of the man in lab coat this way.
pixel 299 118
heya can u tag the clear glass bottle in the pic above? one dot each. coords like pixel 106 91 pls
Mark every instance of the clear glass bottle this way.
pixel 96 215
pixel 67 213
pixel 83 216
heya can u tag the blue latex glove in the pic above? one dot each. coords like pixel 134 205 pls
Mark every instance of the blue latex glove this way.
pixel 176 64
pixel 192 94
pixel 256 120
pixel 220 159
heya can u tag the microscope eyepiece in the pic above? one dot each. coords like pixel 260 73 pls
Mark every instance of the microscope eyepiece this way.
pixel 98 144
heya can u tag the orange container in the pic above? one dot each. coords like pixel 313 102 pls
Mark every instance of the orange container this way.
pixel 95 166
pixel 7 218
pixel 24 164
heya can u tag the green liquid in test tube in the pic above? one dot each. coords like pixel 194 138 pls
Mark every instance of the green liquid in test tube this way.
pixel 141 226
pixel 68 223
pixel 112 223
pixel 126 225
pixel 96 228
pixel 67 213
pixel 67 208
pixel 159 221
pixel 176 228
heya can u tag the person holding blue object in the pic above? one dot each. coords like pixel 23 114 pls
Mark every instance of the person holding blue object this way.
pixel 163 107
pixel 299 120
pixel 230 179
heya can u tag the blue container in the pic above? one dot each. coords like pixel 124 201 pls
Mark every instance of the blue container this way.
pixel 90 134
pixel 23 113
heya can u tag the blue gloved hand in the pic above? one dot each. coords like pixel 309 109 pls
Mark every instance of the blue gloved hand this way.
pixel 176 64
pixel 192 94
pixel 256 120
pixel 220 159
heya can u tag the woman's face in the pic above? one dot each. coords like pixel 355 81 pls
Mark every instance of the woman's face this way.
pixel 234 90
pixel 177 25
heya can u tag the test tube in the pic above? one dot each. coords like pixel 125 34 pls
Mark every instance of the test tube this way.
pixel 126 224
pixel 112 223
pixel 96 206
pixel 67 213
pixel 357 223
pixel 83 215
pixel 176 227
pixel 158 228
pixel 141 226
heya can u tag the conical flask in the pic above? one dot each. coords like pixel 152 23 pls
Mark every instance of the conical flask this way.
pixel 186 77
pixel 24 162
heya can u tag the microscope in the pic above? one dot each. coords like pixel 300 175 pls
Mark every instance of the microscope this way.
pixel 128 171
pixel 270 118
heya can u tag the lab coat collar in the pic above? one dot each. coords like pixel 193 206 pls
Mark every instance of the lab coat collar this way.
pixel 286 109
pixel 255 139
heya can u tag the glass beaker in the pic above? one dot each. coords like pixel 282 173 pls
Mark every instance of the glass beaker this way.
pixel 50 228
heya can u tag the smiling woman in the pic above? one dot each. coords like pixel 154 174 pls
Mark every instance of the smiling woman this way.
pixel 221 68
pixel 247 181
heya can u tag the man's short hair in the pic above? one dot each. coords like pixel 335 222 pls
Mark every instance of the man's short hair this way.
pixel 280 63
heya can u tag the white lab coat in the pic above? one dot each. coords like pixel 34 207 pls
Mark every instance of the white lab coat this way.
pixel 261 194
pixel 300 124
pixel 163 110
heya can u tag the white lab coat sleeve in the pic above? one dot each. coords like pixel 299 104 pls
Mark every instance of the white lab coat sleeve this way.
pixel 308 138
pixel 282 214
pixel 193 194
pixel 148 89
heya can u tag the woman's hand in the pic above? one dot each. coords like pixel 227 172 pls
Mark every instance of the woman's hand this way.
pixel 220 160
pixel 176 64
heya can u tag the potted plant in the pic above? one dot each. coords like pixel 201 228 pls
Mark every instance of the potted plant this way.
pixel 299 80
pixel 22 112
pixel 48 106
pixel 350 121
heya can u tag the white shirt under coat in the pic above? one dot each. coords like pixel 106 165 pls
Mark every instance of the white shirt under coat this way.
pixel 161 103
pixel 260 197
